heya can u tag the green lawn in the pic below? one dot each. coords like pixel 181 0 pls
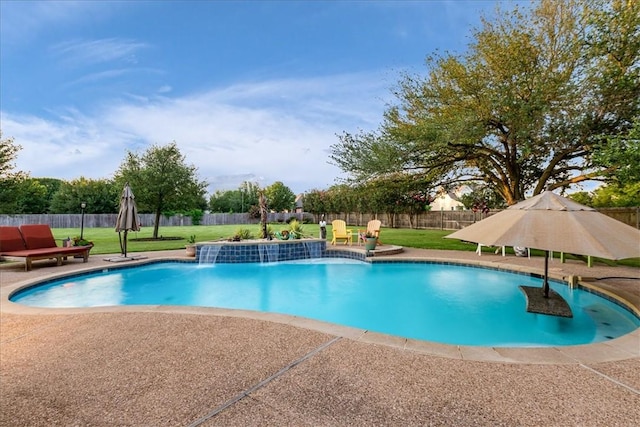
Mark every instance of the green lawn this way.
pixel 106 239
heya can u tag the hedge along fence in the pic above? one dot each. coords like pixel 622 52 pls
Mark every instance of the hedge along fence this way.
pixel 444 220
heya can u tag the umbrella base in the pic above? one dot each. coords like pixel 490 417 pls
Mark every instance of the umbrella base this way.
pixel 554 305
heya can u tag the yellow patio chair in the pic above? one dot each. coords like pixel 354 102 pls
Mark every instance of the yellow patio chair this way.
pixel 340 232
pixel 373 227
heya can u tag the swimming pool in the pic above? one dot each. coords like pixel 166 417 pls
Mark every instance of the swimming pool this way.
pixel 444 303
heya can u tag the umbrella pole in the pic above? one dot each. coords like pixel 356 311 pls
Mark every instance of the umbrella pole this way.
pixel 120 240
pixel 545 283
pixel 125 243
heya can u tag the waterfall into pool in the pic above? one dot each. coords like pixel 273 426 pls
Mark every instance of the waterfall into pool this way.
pixel 269 252
pixel 313 249
pixel 209 254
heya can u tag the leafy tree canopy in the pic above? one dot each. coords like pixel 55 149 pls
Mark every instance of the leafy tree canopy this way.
pixel 100 195
pixel 620 157
pixel 481 195
pixel 522 110
pixel 612 195
pixel 233 201
pixel 225 201
pixel 316 201
pixel 396 193
pixel 9 177
pixel 31 197
pixel 280 197
pixel 51 185
pixel 8 154
pixel 162 181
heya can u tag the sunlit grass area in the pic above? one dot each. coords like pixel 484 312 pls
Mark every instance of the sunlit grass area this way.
pixel 106 239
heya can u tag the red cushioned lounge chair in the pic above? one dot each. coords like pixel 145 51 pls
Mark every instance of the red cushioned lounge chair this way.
pixel 34 242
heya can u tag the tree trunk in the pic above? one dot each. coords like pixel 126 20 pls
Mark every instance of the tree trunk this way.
pixel 156 225
pixel 263 214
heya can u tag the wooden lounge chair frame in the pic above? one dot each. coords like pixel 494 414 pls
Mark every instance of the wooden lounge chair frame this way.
pixel 36 242
pixel 340 232
pixel 373 227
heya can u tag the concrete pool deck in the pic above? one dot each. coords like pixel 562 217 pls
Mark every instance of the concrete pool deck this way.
pixel 195 366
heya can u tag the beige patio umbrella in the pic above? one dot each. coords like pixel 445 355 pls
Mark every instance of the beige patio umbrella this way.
pixel 127 217
pixel 554 223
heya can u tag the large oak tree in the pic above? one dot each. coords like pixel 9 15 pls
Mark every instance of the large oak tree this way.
pixel 537 93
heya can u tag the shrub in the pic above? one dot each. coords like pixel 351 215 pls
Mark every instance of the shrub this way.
pixel 296 228
pixel 196 216
pixel 242 234
pixel 77 241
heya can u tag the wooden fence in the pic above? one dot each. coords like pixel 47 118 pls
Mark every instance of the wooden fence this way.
pixel 147 220
pixel 444 220
pixel 457 219
pixel 629 216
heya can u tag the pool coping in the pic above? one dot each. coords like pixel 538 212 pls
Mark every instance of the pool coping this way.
pixel 621 348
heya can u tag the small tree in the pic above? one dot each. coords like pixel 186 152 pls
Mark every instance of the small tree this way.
pixel 249 195
pixel 222 201
pixel 9 179
pixel 280 197
pixel 315 201
pixel 162 181
pixel 240 200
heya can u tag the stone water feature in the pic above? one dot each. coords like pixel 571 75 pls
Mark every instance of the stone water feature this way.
pixel 259 251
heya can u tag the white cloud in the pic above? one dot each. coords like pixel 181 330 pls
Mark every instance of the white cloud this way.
pixel 263 131
pixel 23 21
pixel 98 51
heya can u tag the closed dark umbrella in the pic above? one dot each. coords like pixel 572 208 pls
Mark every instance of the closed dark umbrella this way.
pixel 127 217
pixel 554 223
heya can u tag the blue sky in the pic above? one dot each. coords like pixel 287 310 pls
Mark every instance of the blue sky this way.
pixel 253 90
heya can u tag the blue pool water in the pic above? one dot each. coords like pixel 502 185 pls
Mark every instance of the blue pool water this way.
pixel 435 302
